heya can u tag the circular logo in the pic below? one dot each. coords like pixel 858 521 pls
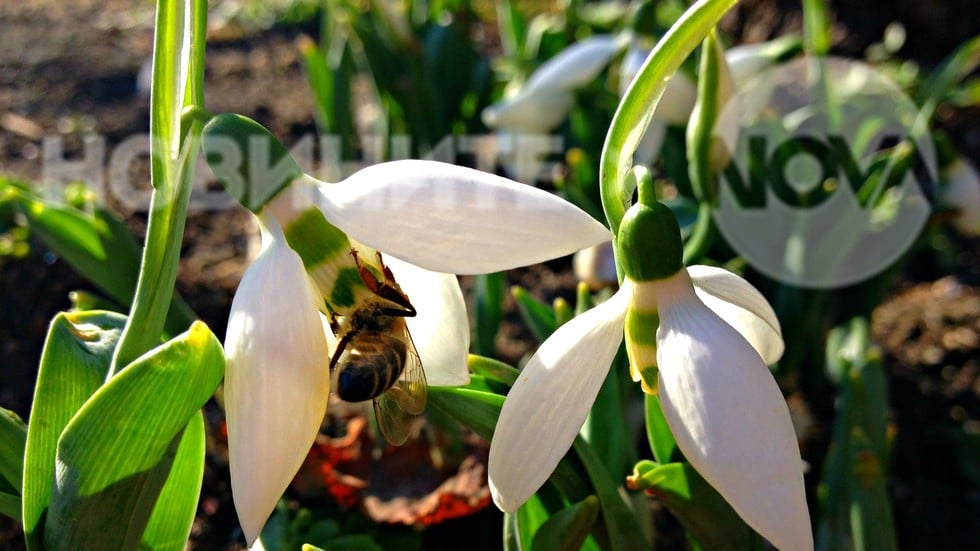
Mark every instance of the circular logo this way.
pixel 824 187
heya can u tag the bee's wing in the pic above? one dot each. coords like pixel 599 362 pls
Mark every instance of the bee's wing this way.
pixel 396 408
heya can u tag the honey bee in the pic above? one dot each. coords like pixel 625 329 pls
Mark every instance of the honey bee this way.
pixel 376 358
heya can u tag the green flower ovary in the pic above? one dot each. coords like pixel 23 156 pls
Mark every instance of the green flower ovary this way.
pixel 649 243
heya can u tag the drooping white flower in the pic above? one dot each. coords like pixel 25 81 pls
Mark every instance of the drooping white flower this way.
pixel 429 220
pixel 716 334
pixel 544 100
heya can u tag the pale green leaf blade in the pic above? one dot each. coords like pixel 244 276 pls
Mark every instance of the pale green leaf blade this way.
pixel 568 528
pixel 13 439
pixel 74 363
pixel 114 456
pixel 173 515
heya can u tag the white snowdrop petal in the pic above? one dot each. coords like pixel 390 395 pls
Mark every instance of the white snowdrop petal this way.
pixel 530 112
pixel 748 60
pixel 550 400
pixel 576 65
pixel 729 418
pixel 633 59
pixel 648 150
pixel 454 219
pixel 678 101
pixel 276 381
pixel 742 306
pixel 440 330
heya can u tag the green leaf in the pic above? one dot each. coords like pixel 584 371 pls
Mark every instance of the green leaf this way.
pixel 100 247
pixel 172 517
pixel 356 542
pixel 872 525
pixel 816 27
pixel 115 455
pixel 578 474
pixel 493 369
pixel 855 511
pixel 636 108
pixel 449 62
pixel 512 28
pixel 13 440
pixel 567 529
pixel 530 517
pixel 961 63
pixel 661 440
pixel 477 410
pixel 488 302
pixel 604 428
pixel 320 78
pixel 540 317
pixel 621 526
pixel 700 509
pixel 74 364
pixel 10 505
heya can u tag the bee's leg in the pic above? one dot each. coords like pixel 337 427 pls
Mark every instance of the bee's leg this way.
pixel 341 346
pixel 334 324
pixel 369 279
pixel 389 277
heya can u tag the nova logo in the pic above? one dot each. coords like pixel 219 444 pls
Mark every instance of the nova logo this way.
pixel 825 185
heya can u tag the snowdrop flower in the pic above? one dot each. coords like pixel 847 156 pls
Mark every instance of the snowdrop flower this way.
pixel 430 220
pixel 961 191
pixel 544 100
pixel 716 334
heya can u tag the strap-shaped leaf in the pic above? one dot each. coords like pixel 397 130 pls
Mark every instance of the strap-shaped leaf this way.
pixel 13 438
pixel 661 441
pixel 173 515
pixel 569 528
pixel 479 411
pixel 114 456
pixel 100 247
pixel 74 364
pixel 539 316
pixel 702 511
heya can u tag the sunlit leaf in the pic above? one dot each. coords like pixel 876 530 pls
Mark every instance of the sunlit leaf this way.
pixel 540 317
pixel 115 454
pixel 74 364
pixel 703 512
pixel 172 517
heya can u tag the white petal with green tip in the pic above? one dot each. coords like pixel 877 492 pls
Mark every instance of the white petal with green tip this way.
pixel 742 306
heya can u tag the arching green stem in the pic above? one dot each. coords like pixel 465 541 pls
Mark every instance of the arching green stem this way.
pixel 636 109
